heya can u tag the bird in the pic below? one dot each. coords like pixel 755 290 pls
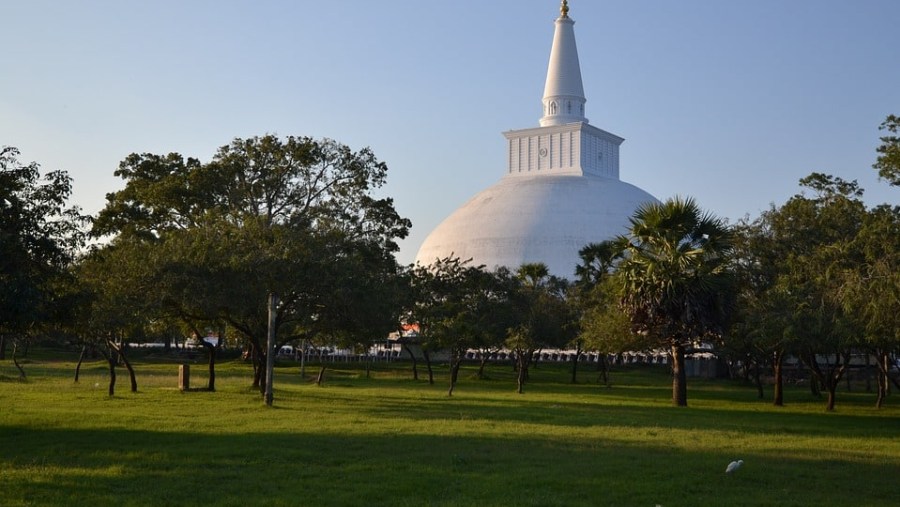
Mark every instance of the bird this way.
pixel 733 466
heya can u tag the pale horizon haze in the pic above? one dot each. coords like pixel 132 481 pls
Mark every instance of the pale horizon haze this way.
pixel 730 102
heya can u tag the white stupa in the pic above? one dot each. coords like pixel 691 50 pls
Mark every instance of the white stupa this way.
pixel 561 190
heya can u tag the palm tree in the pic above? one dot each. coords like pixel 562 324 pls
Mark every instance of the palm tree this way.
pixel 597 261
pixel 676 289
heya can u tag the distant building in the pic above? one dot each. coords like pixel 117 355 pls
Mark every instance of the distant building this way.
pixel 561 189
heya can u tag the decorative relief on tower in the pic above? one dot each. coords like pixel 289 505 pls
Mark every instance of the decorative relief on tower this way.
pixel 574 148
pixel 571 149
pixel 559 156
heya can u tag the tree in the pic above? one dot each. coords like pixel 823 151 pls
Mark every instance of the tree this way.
pixel 870 294
pixel 888 162
pixel 757 335
pixel 422 309
pixel 362 300
pixel 111 308
pixel 453 296
pixel 602 324
pixel 824 228
pixel 544 317
pixel 675 286
pixel 447 307
pixel 496 314
pixel 39 238
pixel 292 216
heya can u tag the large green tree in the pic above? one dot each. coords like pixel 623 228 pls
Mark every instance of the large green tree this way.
pixel 676 289
pixel 758 334
pixel 870 292
pixel 460 307
pixel 40 234
pixel 292 216
pixel 821 229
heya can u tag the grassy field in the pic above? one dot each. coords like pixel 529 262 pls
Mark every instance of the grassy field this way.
pixel 389 440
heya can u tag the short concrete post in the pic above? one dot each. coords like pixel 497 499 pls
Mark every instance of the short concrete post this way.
pixel 184 377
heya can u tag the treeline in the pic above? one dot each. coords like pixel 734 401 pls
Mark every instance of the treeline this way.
pixel 279 240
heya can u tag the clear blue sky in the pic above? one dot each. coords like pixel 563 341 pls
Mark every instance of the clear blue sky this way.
pixel 727 101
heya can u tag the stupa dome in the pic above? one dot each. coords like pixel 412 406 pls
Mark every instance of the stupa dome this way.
pixel 535 219
pixel 561 190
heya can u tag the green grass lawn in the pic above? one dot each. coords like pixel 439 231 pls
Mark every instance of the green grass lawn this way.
pixel 389 440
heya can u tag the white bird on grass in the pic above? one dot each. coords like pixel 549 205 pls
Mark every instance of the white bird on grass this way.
pixel 733 466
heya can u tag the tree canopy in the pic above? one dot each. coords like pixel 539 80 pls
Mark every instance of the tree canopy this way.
pixel 293 216
pixel 40 235
pixel 888 162
pixel 675 285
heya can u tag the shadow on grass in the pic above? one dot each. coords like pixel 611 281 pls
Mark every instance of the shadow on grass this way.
pixel 105 467
pixel 359 441
pixel 567 414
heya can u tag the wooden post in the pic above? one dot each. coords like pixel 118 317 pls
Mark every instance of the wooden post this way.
pixel 270 349
pixel 184 377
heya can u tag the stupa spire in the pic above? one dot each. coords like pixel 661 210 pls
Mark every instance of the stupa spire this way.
pixel 563 91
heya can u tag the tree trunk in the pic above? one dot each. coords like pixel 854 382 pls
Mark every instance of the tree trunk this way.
pixel 882 382
pixel 603 368
pixel 883 370
pixel 757 378
pixel 778 366
pixel 2 346
pixel 829 405
pixel 829 378
pixel 120 352
pixel 15 360
pixel 257 364
pixel 455 362
pixel 112 376
pixel 257 375
pixel 261 373
pixel 575 365
pixel 522 361
pixel 80 360
pixel 481 366
pixel 428 365
pixel 134 386
pixel 111 360
pixel 415 369
pixel 814 386
pixel 747 364
pixel 321 376
pixel 679 377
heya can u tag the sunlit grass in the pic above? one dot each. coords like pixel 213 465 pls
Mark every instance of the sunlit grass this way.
pixel 389 440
